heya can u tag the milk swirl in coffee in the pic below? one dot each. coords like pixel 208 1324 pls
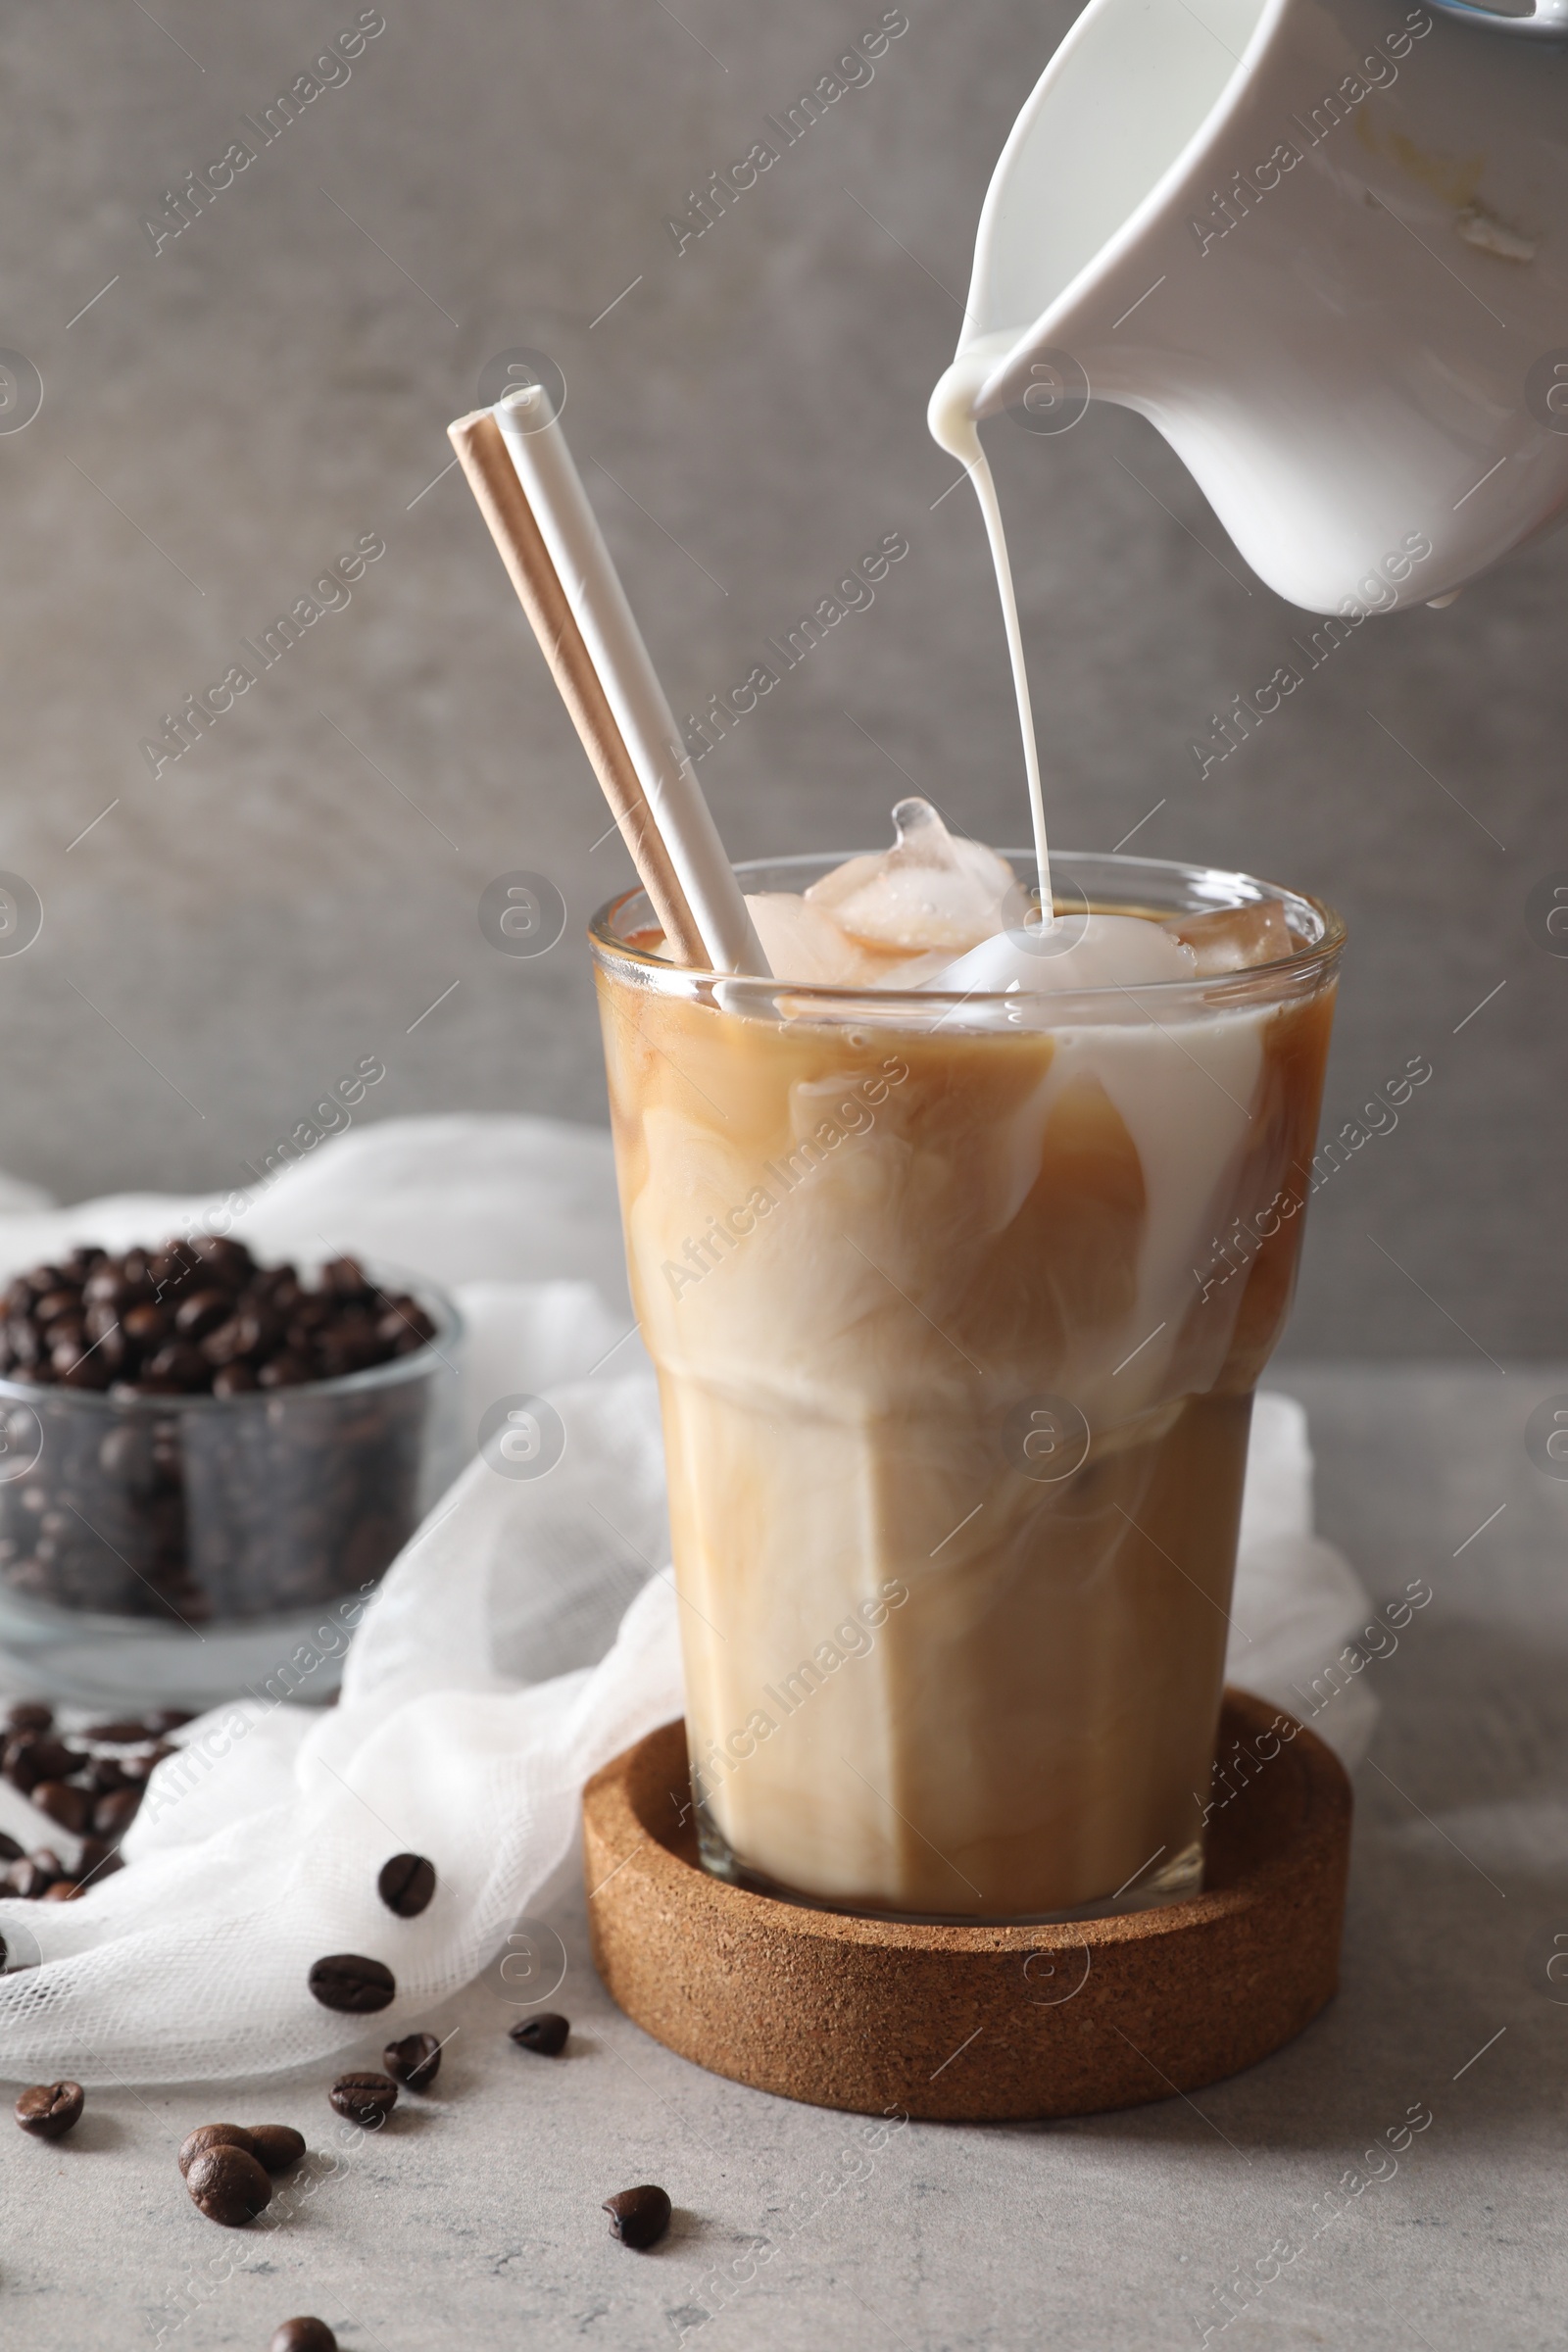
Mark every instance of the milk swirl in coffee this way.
pixel 955 1434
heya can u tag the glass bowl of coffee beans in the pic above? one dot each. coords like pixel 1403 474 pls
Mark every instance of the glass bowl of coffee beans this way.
pixel 199 1453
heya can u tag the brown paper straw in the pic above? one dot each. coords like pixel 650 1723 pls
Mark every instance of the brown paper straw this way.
pixel 493 479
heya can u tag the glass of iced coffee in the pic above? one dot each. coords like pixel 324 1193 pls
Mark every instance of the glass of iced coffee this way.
pixel 960 1245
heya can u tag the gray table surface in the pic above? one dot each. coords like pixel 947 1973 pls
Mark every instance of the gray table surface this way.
pixel 473 2219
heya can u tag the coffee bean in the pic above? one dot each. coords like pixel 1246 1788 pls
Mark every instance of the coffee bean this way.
pixel 228 2185
pixel 22 1346
pixel 174 1264
pixel 145 1326
pixel 40 1280
pixel 546 2033
pixel 177 1360
pixel 79 1368
pixel 233 1380
pixel 10 1850
pixel 211 2135
pixel 111 1291
pixel 31 1715
pixel 113 1352
pixel 122 1733
pixel 202 1314
pixel 344 1277
pixel 348 1981
pixel 230 1342
pixel 68 1343
pixel 367 2099
pixel 405 1884
pixel 49 2109
pixel 353 1347
pixel 290 1370
pixel 227 1262
pixel 638 2216
pixel 100 1319
pixel 114 1814
pixel 304 2335
pixel 279 2146
pixel 71 1807
pixel 30 1759
pixel 415 2061
pixel 29 1878
pixel 64 1890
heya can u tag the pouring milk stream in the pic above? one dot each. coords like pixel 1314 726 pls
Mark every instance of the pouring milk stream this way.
pixel 1319 244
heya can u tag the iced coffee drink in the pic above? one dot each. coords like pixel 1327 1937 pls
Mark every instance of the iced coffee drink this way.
pixel 959 1244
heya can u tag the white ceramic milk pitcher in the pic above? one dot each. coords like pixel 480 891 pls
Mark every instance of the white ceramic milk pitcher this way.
pixel 1323 246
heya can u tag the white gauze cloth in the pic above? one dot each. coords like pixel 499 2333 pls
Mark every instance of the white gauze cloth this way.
pixel 525 1637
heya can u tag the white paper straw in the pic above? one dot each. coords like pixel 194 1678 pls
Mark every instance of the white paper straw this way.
pixel 570 531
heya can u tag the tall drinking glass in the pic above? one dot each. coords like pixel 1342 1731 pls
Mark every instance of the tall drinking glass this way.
pixel 957 1305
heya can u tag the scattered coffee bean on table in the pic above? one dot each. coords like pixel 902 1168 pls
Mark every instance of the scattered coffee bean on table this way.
pixel 348 1981
pixel 211 2135
pixel 415 2061
pixel 405 1884
pixel 367 2099
pixel 32 1876
pixel 546 2033
pixel 31 1757
pixel 304 2335
pixel 49 2109
pixel 228 2185
pixel 277 2146
pixel 638 2216
pixel 113 1814
pixel 71 1807
pixel 93 1796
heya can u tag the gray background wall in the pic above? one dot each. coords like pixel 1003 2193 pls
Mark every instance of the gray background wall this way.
pixel 235 411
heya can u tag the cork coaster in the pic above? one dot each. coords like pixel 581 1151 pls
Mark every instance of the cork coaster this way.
pixel 976 2023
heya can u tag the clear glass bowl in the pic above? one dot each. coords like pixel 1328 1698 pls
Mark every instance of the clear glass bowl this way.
pixel 185 1549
